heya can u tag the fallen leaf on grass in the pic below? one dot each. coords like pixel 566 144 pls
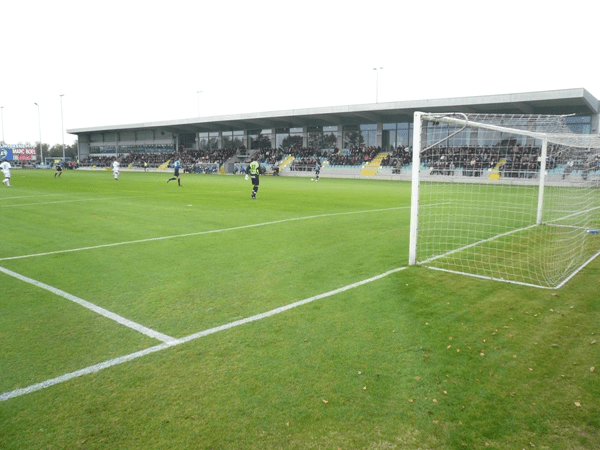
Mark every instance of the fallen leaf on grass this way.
pixel 592 369
pixel 325 401
pixel 577 404
pixel 410 400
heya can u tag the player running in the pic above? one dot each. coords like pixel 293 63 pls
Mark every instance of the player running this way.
pixel 254 171
pixel 5 166
pixel 176 167
pixel 58 167
pixel 115 165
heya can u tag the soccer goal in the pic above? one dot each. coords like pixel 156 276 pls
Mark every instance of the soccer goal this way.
pixel 514 198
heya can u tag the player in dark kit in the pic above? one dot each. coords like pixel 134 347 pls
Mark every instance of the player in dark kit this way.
pixel 58 172
pixel 176 167
pixel 254 171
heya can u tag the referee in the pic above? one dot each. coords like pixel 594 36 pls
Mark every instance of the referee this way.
pixel 254 171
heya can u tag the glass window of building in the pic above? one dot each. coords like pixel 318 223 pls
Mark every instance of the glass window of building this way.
pixel 396 135
pixel 296 137
pixel 238 138
pixel 352 136
pixel 227 139
pixel 369 133
pixel 260 139
pixel 203 141
pixel 213 140
pixel 580 124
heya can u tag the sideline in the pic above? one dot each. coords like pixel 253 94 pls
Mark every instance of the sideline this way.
pixel 157 348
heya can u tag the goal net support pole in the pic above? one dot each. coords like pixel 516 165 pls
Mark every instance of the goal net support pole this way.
pixel 415 190
pixel 543 157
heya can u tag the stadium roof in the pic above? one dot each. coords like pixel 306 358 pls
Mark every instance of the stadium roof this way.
pixel 567 101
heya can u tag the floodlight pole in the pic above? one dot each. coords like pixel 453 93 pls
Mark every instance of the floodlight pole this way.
pixel 377 83
pixel 62 124
pixel 40 129
pixel 198 92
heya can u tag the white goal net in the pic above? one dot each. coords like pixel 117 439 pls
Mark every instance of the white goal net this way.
pixel 506 197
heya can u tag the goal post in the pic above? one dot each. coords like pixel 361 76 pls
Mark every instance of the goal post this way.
pixel 505 197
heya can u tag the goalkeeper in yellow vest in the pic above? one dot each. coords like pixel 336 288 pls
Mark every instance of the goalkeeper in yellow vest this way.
pixel 254 171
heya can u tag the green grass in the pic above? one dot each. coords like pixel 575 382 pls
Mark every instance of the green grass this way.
pixel 417 359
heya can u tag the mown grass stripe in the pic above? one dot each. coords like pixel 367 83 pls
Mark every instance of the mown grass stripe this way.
pixel 173 342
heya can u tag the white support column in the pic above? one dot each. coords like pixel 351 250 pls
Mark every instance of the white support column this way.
pixel 415 190
pixel 540 208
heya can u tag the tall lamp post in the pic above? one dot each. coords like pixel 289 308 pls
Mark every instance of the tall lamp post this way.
pixel 377 83
pixel 199 92
pixel 40 129
pixel 62 125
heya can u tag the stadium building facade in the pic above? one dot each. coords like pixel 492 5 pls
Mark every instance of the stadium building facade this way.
pixel 386 125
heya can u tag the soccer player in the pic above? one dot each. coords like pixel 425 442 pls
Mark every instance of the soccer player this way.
pixel 176 167
pixel 254 171
pixel 317 170
pixel 58 167
pixel 5 166
pixel 115 165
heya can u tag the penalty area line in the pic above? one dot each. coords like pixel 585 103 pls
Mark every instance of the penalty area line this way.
pixel 132 356
pixel 97 309
pixel 199 233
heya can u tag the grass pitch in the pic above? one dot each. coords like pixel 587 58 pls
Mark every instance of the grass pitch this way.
pixel 415 359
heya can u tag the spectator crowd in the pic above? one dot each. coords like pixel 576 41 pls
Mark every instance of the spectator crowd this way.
pixel 509 158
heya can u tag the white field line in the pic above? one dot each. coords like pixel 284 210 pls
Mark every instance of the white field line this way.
pixel 98 310
pixel 60 201
pixel 577 213
pixel 483 277
pixel 139 354
pixel 579 269
pixel 477 243
pixel 32 196
pixel 506 234
pixel 199 233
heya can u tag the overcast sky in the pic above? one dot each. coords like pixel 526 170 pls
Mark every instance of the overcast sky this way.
pixel 124 62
